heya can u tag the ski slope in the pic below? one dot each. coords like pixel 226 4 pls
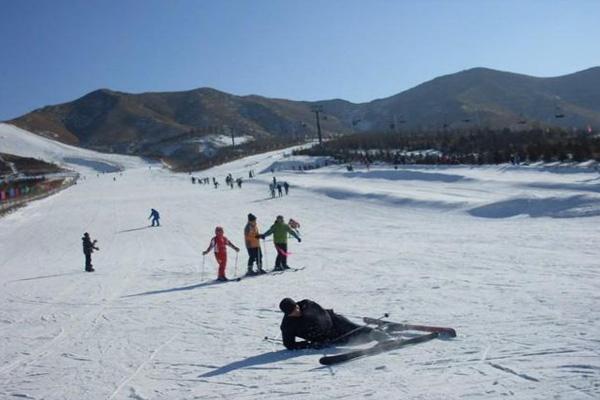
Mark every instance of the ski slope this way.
pixel 19 142
pixel 508 256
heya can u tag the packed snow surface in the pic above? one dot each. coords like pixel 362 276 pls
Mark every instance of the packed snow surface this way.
pixel 508 256
pixel 19 142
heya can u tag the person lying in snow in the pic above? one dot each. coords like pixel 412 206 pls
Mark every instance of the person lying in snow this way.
pixel 319 327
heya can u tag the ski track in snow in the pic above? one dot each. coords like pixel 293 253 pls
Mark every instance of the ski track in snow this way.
pixel 507 256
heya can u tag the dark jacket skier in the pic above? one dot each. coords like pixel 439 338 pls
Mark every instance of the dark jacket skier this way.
pixel 155 217
pixel 319 327
pixel 88 248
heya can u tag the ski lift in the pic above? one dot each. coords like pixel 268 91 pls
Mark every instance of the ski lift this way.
pixel 558 113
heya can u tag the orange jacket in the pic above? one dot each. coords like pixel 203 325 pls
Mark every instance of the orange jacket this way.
pixel 250 233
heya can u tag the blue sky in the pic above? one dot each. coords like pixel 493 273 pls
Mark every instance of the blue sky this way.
pixel 56 51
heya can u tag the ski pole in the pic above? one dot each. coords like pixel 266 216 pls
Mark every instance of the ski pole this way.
pixel 203 262
pixel 236 260
pixel 265 253
pixel 272 340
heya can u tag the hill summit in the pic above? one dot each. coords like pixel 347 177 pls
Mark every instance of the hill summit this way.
pixel 178 124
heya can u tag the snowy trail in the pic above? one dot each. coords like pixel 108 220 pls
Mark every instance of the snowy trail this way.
pixel 520 290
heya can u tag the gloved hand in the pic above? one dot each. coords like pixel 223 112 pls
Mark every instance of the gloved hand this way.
pixel 299 240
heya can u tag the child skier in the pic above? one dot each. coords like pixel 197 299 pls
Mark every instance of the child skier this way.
pixel 219 242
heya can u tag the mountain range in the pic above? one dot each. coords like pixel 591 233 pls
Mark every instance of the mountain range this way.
pixel 169 124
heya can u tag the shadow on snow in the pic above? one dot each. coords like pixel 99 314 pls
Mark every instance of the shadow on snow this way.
pixel 47 276
pixel 399 175
pixel 177 289
pixel 136 229
pixel 388 199
pixel 554 207
pixel 254 361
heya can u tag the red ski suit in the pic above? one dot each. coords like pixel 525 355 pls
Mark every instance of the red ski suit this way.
pixel 219 243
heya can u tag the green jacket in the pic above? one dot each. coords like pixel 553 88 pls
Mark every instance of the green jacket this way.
pixel 280 232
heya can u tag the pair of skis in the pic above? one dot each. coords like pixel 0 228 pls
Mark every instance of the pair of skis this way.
pixel 274 272
pixel 393 344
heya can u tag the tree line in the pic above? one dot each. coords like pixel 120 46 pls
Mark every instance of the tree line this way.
pixel 485 146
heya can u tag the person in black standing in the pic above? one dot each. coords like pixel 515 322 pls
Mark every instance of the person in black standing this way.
pixel 320 327
pixel 88 248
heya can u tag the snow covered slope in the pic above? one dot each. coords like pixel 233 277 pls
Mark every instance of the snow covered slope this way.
pixel 507 256
pixel 20 142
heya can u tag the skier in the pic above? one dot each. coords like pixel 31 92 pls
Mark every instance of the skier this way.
pixel 272 190
pixel 280 231
pixel 155 217
pixel 286 187
pixel 279 189
pixel 319 327
pixel 295 225
pixel 252 235
pixel 88 248
pixel 219 242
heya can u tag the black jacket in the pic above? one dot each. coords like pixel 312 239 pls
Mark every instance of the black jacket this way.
pixel 88 245
pixel 315 325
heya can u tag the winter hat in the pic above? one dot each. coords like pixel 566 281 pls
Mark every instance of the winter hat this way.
pixel 287 305
pixel 280 218
pixel 251 217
